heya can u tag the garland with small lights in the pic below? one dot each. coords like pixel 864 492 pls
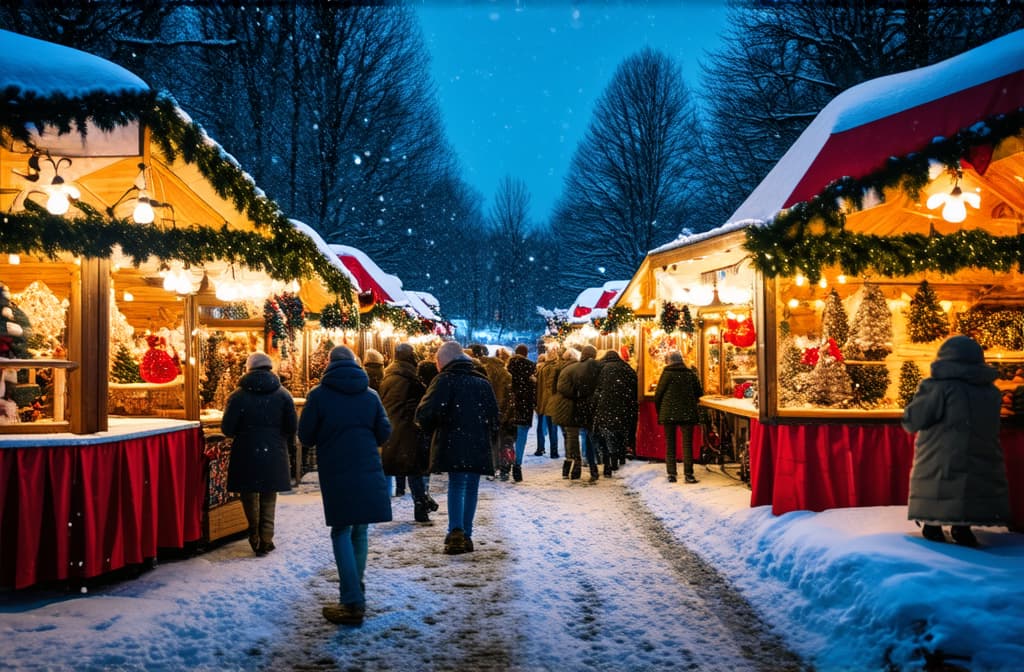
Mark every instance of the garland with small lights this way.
pixel 336 316
pixel 686 324
pixel 277 248
pixel 994 328
pixel 811 235
pixel 617 316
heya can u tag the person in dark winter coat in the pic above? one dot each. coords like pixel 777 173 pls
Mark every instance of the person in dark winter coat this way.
pixel 260 418
pixel 562 406
pixel 403 454
pixel 958 477
pixel 578 381
pixel 615 410
pixel 346 422
pixel 677 400
pixel 524 398
pixel 461 413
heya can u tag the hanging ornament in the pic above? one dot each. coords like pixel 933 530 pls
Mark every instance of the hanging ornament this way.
pixel 367 301
pixel 157 366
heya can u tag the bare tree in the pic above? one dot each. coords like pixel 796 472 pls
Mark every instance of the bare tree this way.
pixel 509 231
pixel 783 63
pixel 629 182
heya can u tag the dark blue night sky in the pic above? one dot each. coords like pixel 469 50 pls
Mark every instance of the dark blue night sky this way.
pixel 517 81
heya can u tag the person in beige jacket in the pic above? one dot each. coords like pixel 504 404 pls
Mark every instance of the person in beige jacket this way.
pixel 545 390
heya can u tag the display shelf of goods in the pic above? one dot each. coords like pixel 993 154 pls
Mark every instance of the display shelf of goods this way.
pixel 138 399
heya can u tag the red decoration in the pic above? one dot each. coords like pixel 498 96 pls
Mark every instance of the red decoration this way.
pixel 739 332
pixel 740 390
pixel 811 355
pixel 624 352
pixel 157 365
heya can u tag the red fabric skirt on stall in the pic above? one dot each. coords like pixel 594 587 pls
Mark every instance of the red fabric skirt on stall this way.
pixel 81 510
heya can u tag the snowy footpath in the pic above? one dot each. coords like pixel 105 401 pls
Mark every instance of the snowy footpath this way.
pixel 630 573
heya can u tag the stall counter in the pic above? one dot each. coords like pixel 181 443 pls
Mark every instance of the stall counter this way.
pixel 77 506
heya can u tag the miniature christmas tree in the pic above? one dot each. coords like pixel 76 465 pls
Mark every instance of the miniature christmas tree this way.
pixel 829 382
pixel 926 321
pixel 833 319
pixel 318 361
pixel 686 321
pixel 870 382
pixel 214 365
pixel 793 373
pixel 870 336
pixel 670 316
pixel 14 328
pixel 124 368
pixel 910 378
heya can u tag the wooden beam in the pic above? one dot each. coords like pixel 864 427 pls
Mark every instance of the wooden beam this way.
pixel 88 344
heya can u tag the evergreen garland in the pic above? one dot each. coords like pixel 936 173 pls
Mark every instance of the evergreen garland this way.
pixel 833 319
pixel 994 328
pixel 124 368
pixel 910 378
pixel 276 247
pixel 686 321
pixel 926 321
pixel 670 315
pixel 275 322
pixel 617 316
pixel 811 235
pixel 336 316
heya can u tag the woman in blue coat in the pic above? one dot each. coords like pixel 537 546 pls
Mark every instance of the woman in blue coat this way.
pixel 346 422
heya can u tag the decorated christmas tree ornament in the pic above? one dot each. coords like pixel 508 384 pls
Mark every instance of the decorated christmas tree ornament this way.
pixel 834 324
pixel 125 368
pixel 157 365
pixel 871 330
pixel 670 316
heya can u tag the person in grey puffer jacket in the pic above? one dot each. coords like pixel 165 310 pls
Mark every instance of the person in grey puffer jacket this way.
pixel 958 477
pixel 346 421
pixel 260 419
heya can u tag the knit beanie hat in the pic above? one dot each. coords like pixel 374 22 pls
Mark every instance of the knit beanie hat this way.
pixel 258 360
pixel 405 353
pixel 588 352
pixel 675 357
pixel 373 357
pixel 448 353
pixel 341 352
pixel 522 350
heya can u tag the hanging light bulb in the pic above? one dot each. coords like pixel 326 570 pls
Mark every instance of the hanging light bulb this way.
pixel 953 208
pixel 143 212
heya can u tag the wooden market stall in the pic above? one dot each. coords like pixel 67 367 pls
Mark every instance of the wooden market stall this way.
pixel 584 321
pixel 124 228
pixel 895 219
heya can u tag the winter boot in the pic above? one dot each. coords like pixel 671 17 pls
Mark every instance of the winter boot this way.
pixel 932 533
pixel 420 508
pixel 577 471
pixel 593 473
pixel 517 473
pixel 431 504
pixel 539 452
pixel 690 478
pixel 963 536
pixel 608 470
pixel 455 542
pixel 566 468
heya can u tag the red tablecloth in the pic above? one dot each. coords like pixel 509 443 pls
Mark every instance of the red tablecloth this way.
pixel 78 511
pixel 826 466
pixel 650 436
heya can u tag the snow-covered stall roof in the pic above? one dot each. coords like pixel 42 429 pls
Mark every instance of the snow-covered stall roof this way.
pixel 594 302
pixel 369 277
pixel 46 69
pixel 896 115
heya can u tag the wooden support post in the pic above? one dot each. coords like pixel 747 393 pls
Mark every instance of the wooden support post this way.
pixel 89 344
pixel 191 363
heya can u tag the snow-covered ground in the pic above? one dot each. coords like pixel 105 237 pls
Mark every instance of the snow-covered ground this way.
pixel 566 576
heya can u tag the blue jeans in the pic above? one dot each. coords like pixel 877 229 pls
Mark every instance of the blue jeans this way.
pixel 522 433
pixel 589 447
pixel 463 488
pixel 350 551
pixel 546 425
